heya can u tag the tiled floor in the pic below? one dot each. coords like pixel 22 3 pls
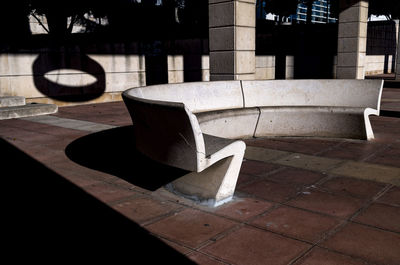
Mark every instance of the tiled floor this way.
pixel 78 195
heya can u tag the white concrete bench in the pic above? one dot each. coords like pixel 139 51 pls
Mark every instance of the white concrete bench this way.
pixel 169 132
pixel 314 108
pixel 189 125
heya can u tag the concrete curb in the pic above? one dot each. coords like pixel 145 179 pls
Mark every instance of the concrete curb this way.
pixel 27 110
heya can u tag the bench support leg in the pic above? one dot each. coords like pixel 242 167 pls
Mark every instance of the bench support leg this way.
pixel 213 186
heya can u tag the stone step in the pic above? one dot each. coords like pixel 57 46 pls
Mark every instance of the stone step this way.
pixel 28 110
pixel 12 101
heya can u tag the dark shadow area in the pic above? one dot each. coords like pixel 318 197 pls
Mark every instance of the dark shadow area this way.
pixel 390 113
pixel 192 58
pixel 316 50
pixel 312 48
pixel 113 151
pixel 192 67
pixel 156 63
pixel 156 69
pixel 47 219
pixel 65 33
pixel 381 40
pixel 45 63
pixel 392 83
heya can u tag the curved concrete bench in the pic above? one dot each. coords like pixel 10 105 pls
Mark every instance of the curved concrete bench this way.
pixel 188 125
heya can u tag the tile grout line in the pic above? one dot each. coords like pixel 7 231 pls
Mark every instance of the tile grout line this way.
pixel 359 258
pixel 347 221
pixel 382 149
pixel 329 148
pixel 328 170
pixel 367 204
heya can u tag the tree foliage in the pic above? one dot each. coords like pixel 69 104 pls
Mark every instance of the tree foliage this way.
pixel 59 17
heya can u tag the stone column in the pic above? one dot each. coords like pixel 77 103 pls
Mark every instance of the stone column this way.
pixel 232 39
pixel 352 39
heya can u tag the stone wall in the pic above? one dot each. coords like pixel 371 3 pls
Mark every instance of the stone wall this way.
pixel 379 64
pixel 69 76
pixel 75 75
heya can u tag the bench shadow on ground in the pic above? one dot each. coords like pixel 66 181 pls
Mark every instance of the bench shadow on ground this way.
pixel 113 151
pixel 48 219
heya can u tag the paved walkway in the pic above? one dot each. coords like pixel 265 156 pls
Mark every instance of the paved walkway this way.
pixel 74 189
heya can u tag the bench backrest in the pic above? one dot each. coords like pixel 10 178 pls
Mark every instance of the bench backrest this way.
pixel 166 131
pixel 197 96
pixel 343 93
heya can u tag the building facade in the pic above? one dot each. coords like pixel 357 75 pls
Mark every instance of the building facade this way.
pixel 321 13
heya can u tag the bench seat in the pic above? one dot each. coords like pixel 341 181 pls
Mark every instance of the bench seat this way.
pixel 231 123
pixel 169 132
pixel 310 121
pixel 192 125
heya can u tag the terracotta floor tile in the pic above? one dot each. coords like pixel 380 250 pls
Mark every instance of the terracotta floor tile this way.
pixel 127 185
pixel 109 193
pixel 254 246
pixel 313 145
pixel 373 245
pixel 381 122
pixel 191 227
pixel 352 150
pixel 297 223
pixel 244 178
pixel 257 168
pixel 143 209
pixel 355 187
pixel 296 176
pixel 62 144
pixel 382 216
pixel 375 172
pixel 62 132
pixel 392 196
pixel 203 259
pixel 24 124
pixel 323 202
pixel 321 164
pixel 243 208
pixel 385 136
pixel 62 164
pixel 177 247
pixel 390 157
pixel 271 191
pixel 295 144
pixel 6 131
pixel 386 129
pixel 41 152
pixel 113 113
pixel 319 256
pixel 37 127
pixel 83 180
pixel 65 166
pixel 32 136
pixel 263 154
